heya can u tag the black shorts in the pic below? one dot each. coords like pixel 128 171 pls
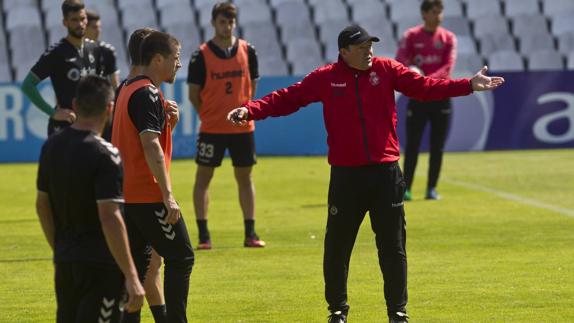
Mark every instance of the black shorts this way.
pixel 211 149
pixel 88 292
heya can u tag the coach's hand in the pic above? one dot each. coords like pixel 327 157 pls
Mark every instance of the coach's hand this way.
pixel 136 294
pixel 481 82
pixel 172 112
pixel 64 115
pixel 173 211
pixel 238 116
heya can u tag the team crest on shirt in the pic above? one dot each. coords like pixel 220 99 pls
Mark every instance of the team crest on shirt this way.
pixel 374 78
pixel 74 74
pixel 438 44
pixel 91 58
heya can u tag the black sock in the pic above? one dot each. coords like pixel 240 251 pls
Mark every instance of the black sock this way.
pixel 159 313
pixel 203 232
pixel 249 228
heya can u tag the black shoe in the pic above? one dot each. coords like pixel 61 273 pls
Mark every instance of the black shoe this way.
pixel 337 317
pixel 399 317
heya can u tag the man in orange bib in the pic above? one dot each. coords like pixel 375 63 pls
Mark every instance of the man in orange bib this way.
pixel 142 131
pixel 222 75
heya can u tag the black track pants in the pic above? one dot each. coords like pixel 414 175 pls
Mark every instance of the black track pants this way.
pixel 353 191
pixel 89 292
pixel 438 113
pixel 147 228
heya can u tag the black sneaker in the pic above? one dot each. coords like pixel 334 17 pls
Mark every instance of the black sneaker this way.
pixel 337 317
pixel 399 317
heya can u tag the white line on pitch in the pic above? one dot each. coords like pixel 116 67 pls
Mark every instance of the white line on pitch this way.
pixel 513 197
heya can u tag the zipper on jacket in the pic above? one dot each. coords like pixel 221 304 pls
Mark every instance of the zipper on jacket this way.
pixel 362 118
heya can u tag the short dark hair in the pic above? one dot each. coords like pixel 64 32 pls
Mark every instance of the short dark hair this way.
pixel 135 43
pixel 71 6
pixel 92 16
pixel 157 42
pixel 226 9
pixel 93 94
pixel 427 5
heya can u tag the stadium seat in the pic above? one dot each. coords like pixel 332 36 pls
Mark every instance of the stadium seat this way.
pixel 386 48
pixel 380 27
pixel 5 73
pixel 513 8
pixel 479 9
pixel 176 13
pixel 168 3
pixel 562 23
pixel 107 11
pixel 557 7
pixel 466 45
pixel 303 30
pixel 406 23
pixel 366 9
pixel 458 25
pixel 130 4
pixel 491 43
pixel 302 47
pixel 46 5
pixel 331 52
pixel 261 35
pixel 22 17
pixel 570 61
pixel 276 3
pixel 531 42
pixel 405 9
pixel 506 61
pixel 242 3
pixel 188 36
pixel 330 10
pixel 26 53
pixel 53 17
pixel 269 47
pixel 468 63
pixel 204 8
pixel 10 5
pixel 329 30
pixel 55 33
pixel 566 42
pixel 305 64
pixel 138 17
pixel 292 13
pixel 545 60
pixel 527 24
pixel 253 12
pixel 272 66
pixel 491 24
pixel 452 8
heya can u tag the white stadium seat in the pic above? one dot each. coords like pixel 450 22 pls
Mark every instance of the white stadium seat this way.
pixel 557 7
pixel 566 42
pixel 545 60
pixel 366 9
pixel 509 61
pixel 478 9
pixel 405 9
pixel 491 43
pixel 515 8
pixel 492 24
pixel 531 42
pixel 522 25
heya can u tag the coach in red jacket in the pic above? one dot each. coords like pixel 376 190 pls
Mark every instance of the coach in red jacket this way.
pixel 360 116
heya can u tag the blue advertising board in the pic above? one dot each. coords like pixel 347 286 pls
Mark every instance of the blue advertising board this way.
pixel 530 111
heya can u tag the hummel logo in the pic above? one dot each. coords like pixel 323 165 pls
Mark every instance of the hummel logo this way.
pixel 338 84
pixel 397 204
pixel 106 310
pixel 69 60
pixel 355 34
pixel 166 227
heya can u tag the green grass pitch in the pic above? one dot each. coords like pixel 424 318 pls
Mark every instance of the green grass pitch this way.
pixel 499 247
